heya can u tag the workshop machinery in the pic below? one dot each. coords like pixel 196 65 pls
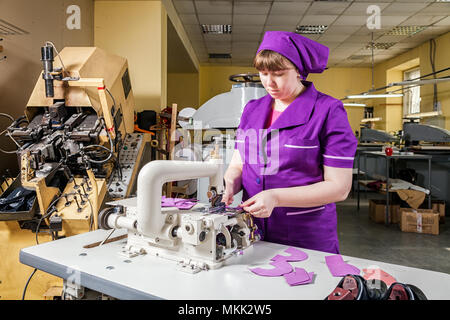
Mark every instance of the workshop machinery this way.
pixel 77 127
pixel 199 238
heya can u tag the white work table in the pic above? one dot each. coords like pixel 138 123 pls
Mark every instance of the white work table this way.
pixel 103 269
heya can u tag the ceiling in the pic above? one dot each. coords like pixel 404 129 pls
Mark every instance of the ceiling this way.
pixel 347 34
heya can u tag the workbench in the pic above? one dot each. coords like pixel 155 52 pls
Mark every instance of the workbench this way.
pixel 388 159
pixel 103 269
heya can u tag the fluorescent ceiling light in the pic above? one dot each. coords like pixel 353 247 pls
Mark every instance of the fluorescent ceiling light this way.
pixel 311 29
pixel 216 28
pixel 375 96
pixel 418 82
pixel 423 114
pixel 371 119
pixel 405 30
pixel 355 105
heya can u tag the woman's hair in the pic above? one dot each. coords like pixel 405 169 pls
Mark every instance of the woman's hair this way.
pixel 271 61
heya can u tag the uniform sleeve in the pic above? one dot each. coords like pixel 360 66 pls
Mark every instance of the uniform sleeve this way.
pixel 337 139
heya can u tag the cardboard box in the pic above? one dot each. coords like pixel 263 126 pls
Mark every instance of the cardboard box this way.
pixel 438 206
pixel 419 221
pixel 377 211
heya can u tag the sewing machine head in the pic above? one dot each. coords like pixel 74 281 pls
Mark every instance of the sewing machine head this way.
pixel 200 238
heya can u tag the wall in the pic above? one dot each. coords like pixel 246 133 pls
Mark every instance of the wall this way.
pixel 183 89
pixel 385 73
pixel 137 30
pixel 44 20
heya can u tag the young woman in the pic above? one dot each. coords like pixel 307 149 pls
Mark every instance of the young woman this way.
pixel 294 148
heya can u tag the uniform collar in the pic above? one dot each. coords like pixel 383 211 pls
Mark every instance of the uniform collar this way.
pixel 299 111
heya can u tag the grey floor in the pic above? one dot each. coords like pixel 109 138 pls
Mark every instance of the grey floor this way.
pixel 361 237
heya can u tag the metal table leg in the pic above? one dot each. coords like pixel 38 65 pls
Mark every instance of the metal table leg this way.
pixel 429 183
pixel 357 180
pixel 386 221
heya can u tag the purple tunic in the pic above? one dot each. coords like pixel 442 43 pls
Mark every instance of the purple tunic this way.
pixel 312 132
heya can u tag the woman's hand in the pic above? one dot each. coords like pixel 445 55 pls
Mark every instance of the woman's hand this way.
pixel 260 205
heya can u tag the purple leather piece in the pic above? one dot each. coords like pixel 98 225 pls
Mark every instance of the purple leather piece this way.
pixel 298 277
pixel 281 267
pixel 339 268
pixel 183 204
pixel 295 255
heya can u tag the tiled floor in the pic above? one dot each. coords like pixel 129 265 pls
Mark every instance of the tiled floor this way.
pixel 360 237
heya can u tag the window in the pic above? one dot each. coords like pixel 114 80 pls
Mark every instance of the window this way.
pixel 411 96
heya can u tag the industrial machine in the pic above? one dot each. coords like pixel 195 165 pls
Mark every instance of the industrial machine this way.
pixel 200 238
pixel 369 135
pixel 219 117
pixel 71 140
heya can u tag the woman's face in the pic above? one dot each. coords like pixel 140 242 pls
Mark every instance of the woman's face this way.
pixel 282 84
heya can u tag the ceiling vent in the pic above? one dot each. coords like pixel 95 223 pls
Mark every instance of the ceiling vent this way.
pixel 310 29
pixel 220 56
pixel 380 45
pixel 405 30
pixel 216 28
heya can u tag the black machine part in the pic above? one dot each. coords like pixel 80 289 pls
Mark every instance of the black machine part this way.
pixel 415 132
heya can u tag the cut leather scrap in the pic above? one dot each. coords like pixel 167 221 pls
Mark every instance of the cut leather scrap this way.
pixel 295 255
pixel 281 267
pixel 378 274
pixel 298 277
pixel 339 268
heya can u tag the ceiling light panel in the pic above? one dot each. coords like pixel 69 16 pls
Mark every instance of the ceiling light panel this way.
pixel 405 30
pixel 379 45
pixel 216 29
pixel 309 29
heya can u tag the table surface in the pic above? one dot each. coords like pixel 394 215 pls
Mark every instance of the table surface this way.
pixel 397 155
pixel 103 269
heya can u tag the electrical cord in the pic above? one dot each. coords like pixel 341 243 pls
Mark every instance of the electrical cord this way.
pixel 8 135
pixel 57 53
pixel 433 68
pixel 26 285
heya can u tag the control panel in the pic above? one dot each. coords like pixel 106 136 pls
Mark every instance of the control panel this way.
pixel 129 159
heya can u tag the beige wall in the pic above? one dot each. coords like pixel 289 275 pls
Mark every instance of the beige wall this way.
pixel 386 71
pixel 182 89
pixel 137 30
pixel 45 20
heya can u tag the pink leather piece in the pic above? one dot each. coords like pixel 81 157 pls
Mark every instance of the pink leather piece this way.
pixel 378 274
pixel 179 203
pixel 298 277
pixel 281 267
pixel 339 268
pixel 295 255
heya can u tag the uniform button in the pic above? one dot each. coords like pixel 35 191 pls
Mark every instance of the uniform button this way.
pixel 258 180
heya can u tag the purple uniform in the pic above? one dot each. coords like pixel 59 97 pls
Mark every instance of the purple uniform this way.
pixel 312 132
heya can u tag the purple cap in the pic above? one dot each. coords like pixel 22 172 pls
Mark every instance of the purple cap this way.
pixel 307 55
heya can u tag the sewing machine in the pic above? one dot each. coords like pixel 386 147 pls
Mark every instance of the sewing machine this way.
pixel 76 125
pixel 198 239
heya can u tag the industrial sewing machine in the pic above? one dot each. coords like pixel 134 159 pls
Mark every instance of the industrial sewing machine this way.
pixel 77 124
pixel 197 239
